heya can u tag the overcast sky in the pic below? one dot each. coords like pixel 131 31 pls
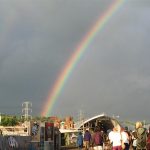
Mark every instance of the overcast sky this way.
pixel 37 38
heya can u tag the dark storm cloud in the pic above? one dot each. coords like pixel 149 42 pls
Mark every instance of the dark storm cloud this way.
pixel 114 76
pixel 38 37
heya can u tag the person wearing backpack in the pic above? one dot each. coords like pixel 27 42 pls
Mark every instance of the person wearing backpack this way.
pixel 141 136
pixel 97 139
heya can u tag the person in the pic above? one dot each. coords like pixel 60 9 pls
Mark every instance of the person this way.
pixel 125 139
pixel 129 135
pixel 134 140
pixel 148 139
pixel 141 136
pixel 106 142
pixel 80 140
pixel 115 139
pixel 87 139
pixel 92 134
pixel 97 139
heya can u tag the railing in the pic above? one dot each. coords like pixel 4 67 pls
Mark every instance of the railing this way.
pixel 14 130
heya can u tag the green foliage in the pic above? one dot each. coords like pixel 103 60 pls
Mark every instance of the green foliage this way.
pixel 9 121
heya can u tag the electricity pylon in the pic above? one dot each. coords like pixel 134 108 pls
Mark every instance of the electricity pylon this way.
pixel 26 110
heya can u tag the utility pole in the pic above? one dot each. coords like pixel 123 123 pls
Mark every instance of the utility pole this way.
pixel 81 118
pixel 27 109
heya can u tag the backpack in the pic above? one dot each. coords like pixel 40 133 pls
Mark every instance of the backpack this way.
pixel 97 138
pixel 141 138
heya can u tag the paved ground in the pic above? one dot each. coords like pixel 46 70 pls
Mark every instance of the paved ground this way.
pixel 68 148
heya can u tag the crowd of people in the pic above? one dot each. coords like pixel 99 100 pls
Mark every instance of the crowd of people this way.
pixel 116 139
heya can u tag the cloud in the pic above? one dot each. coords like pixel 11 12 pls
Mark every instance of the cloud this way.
pixel 37 39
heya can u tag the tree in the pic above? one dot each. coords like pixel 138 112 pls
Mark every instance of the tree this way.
pixel 9 121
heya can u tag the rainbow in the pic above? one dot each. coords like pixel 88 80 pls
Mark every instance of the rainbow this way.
pixel 78 53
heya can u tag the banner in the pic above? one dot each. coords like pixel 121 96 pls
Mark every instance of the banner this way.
pixel 49 131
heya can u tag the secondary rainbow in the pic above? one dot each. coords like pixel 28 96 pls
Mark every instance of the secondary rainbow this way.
pixel 78 53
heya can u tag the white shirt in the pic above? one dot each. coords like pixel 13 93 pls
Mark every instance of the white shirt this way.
pixel 115 138
pixel 125 137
